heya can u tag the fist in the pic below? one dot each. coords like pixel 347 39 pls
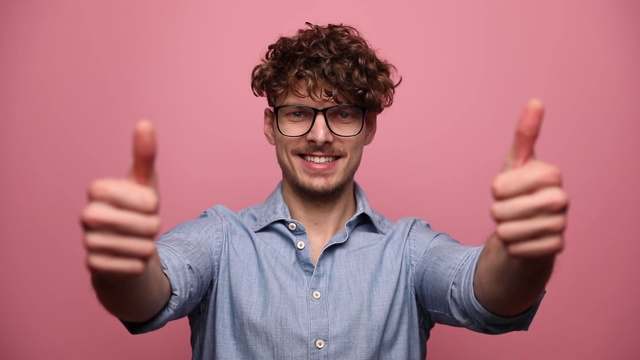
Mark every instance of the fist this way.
pixel 530 207
pixel 121 219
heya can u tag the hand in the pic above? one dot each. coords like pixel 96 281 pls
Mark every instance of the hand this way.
pixel 121 220
pixel 530 206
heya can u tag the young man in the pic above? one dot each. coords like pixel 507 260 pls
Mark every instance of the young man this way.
pixel 314 272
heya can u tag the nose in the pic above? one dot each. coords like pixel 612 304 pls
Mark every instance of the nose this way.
pixel 320 133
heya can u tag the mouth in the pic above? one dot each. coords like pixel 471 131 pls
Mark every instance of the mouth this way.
pixel 319 159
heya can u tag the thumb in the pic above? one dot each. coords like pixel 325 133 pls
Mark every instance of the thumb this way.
pixel 527 130
pixel 144 153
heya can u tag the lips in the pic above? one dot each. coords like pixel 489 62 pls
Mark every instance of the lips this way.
pixel 319 155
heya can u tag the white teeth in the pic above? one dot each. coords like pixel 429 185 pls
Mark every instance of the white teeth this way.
pixel 319 159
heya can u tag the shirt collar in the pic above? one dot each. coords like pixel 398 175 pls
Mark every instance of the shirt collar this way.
pixel 274 209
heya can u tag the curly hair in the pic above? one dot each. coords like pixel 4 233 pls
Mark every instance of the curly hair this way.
pixel 334 61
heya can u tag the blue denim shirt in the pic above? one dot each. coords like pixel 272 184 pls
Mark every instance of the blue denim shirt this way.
pixel 248 285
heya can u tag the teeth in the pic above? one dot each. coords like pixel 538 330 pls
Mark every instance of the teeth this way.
pixel 319 159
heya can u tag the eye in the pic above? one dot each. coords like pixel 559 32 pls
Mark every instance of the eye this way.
pixel 345 114
pixel 295 113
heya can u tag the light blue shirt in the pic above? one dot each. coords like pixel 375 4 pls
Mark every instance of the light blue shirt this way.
pixel 248 285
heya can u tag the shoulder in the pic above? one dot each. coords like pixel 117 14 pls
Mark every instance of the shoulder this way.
pixel 410 228
pixel 210 222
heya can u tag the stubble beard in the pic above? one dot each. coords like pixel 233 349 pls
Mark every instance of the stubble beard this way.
pixel 318 194
pixel 308 192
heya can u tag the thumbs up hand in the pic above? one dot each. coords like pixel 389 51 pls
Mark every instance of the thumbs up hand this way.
pixel 530 205
pixel 121 220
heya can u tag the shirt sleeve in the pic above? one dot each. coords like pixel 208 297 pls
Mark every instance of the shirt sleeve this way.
pixel 189 256
pixel 443 278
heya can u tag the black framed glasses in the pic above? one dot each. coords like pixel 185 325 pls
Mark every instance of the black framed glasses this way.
pixel 297 120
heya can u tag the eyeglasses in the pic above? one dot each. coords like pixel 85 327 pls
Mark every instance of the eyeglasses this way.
pixel 297 120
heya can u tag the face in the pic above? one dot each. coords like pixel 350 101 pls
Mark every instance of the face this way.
pixel 318 165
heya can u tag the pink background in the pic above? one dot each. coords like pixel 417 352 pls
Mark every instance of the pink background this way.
pixel 76 75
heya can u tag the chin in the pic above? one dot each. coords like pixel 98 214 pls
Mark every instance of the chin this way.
pixel 316 190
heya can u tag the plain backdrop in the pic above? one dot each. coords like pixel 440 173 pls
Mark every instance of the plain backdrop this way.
pixel 75 76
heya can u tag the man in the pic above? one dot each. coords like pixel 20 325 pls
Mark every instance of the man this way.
pixel 314 272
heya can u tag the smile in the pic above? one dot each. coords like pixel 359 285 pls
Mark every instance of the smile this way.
pixel 319 159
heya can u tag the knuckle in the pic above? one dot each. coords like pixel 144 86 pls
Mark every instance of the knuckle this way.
pixel 496 211
pixel 555 244
pixel 154 225
pixel 497 187
pixel 148 249
pixel 514 252
pixel 560 245
pixel 561 224
pixel 558 200
pixel 94 216
pixel 87 218
pixel 502 231
pixel 93 263
pixel 154 202
pixel 89 241
pixel 553 226
pixel 97 188
pixel 562 199
pixel 558 248
pixel 98 243
pixel 98 264
pixel 136 268
pixel 552 174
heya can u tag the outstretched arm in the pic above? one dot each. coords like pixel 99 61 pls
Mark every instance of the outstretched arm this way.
pixel 530 211
pixel 120 224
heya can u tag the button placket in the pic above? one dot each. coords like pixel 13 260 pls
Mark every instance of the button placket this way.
pixel 318 311
pixel 292 226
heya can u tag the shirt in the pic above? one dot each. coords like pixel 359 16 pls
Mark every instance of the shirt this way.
pixel 250 290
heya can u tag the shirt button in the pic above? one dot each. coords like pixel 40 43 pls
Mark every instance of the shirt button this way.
pixel 316 295
pixel 292 226
pixel 319 343
pixel 300 245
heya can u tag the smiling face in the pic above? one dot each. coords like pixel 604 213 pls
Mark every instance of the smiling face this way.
pixel 319 165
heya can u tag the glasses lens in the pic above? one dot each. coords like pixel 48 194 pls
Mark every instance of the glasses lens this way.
pixel 345 120
pixel 294 120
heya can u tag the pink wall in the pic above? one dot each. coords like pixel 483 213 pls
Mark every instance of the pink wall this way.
pixel 75 76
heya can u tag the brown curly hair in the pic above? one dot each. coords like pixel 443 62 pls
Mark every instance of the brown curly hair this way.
pixel 335 62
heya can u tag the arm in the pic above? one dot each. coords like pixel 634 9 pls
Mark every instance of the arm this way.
pixel 530 212
pixel 120 224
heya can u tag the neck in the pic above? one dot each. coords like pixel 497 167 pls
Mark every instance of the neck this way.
pixel 322 216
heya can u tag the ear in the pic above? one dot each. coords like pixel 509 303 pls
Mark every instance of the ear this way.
pixel 370 125
pixel 269 130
